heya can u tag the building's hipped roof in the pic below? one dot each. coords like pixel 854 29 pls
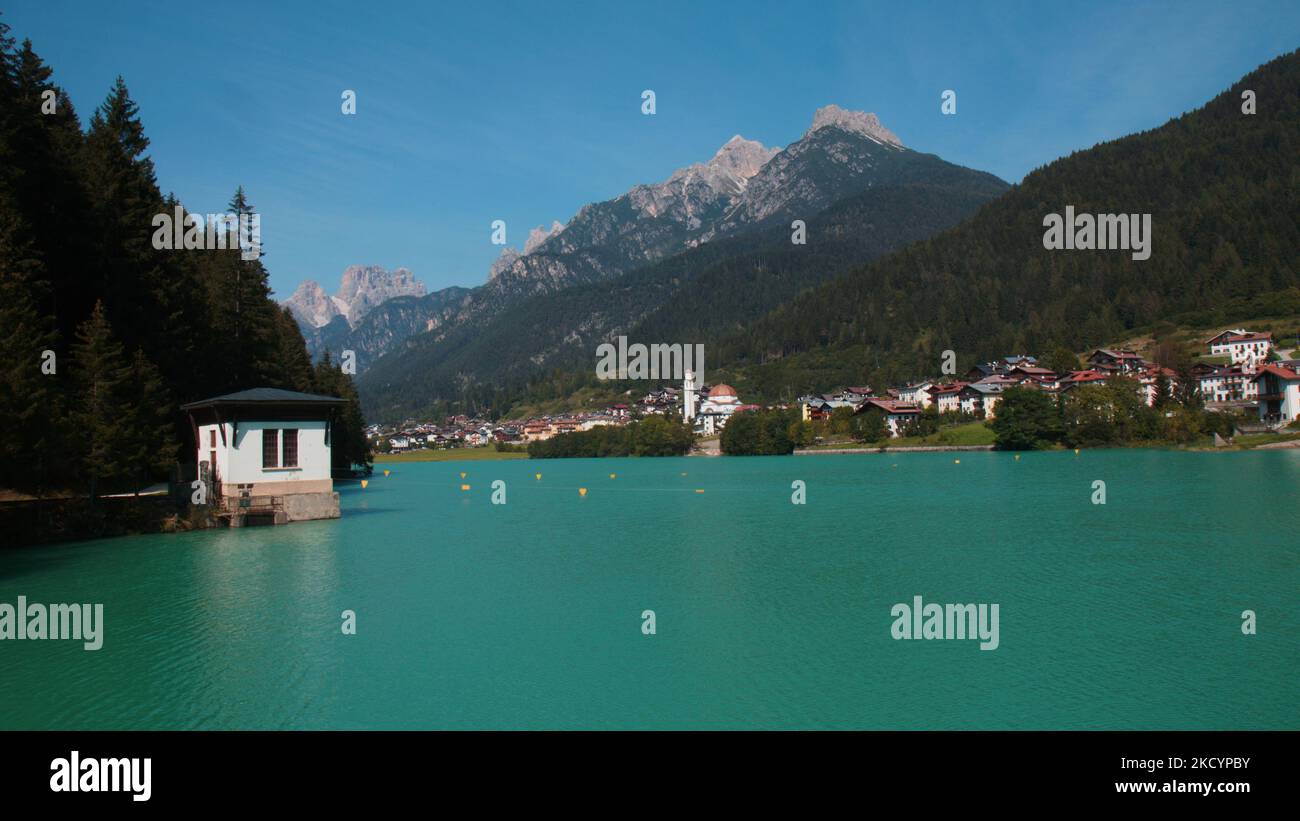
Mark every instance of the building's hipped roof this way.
pixel 274 396
pixel 1282 373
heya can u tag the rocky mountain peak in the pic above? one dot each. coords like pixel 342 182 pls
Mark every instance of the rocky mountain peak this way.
pixel 855 122
pixel 504 262
pixel 311 305
pixel 741 157
pixel 539 235
pixel 363 287
pixel 693 189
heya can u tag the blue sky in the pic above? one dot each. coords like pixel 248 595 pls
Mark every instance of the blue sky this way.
pixel 467 113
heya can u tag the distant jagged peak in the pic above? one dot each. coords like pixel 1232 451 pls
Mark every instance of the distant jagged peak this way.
pixel 362 288
pixel 742 157
pixel 855 122
pixel 727 172
pixel 369 281
pixel 311 305
pixel 503 262
pixel 539 235
pixel 308 287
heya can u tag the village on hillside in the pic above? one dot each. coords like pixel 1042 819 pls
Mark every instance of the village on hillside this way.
pixel 1242 372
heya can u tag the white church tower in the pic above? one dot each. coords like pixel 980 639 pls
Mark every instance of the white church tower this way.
pixel 689 389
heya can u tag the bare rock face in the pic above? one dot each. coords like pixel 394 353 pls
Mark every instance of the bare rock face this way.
pixel 745 183
pixel 503 262
pixel 691 195
pixel 364 287
pixel 311 305
pixel 842 153
pixel 855 122
pixel 646 223
pixel 539 235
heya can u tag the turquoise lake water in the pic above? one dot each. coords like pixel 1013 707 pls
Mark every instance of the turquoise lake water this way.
pixel 768 614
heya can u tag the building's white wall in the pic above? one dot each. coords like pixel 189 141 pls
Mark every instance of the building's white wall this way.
pixel 1290 406
pixel 917 396
pixel 948 402
pixel 206 448
pixel 1243 352
pixel 240 461
pixel 894 422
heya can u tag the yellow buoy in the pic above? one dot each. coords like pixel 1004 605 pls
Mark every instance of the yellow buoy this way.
pixel 462 475
pixel 956 461
pixel 364 482
pixel 385 472
pixel 613 475
pixel 683 473
pixel 537 476
pixel 582 491
pixel 1076 451
pixel 1017 457
pixel 699 490
pixel 464 487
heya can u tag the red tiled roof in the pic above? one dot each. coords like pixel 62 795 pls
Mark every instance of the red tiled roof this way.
pixel 1085 376
pixel 1249 337
pixel 890 406
pixel 1281 373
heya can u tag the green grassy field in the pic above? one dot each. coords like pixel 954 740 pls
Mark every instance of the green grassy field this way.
pixel 1285 330
pixel 449 455
pixel 970 433
pixel 1251 440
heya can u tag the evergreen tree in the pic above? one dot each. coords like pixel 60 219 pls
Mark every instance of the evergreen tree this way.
pixel 348 443
pixel 44 182
pixel 244 315
pixel 1160 396
pixel 100 416
pixel 150 445
pixel 1026 419
pixel 151 296
pixel 294 364
pixel 870 426
pixel 1060 359
pixel 30 402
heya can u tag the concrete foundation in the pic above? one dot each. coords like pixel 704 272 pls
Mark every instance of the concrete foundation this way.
pixel 301 507
pixel 294 507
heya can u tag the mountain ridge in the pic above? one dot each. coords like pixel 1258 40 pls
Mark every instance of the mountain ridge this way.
pixel 651 221
pixel 362 288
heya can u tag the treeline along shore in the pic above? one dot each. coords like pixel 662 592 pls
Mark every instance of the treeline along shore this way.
pixel 103 335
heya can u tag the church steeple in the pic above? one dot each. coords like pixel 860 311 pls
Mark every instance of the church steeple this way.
pixel 689 389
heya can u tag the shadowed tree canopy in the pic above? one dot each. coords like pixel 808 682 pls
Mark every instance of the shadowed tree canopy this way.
pixel 103 335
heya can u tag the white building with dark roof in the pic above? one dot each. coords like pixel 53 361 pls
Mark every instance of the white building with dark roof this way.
pixel 264 454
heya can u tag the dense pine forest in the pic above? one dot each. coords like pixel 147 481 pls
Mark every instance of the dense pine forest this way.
pixel 102 336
